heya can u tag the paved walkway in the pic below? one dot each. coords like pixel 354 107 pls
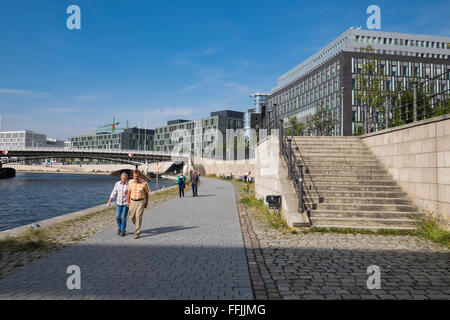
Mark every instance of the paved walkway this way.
pixel 190 248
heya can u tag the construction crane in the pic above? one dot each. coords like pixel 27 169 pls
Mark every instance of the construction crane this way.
pixel 112 127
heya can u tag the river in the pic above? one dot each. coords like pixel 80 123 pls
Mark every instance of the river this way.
pixel 32 197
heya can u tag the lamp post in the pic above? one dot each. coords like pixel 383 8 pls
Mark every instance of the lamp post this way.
pixel 342 111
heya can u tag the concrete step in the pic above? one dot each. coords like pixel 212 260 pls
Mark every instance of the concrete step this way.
pixel 333 159
pixel 300 142
pixel 344 172
pixel 362 194
pixel 349 187
pixel 334 145
pixel 327 138
pixel 365 214
pixel 363 200
pixel 366 207
pixel 322 182
pixel 331 151
pixel 364 223
pixel 372 228
pixel 348 177
pixel 339 156
pixel 331 146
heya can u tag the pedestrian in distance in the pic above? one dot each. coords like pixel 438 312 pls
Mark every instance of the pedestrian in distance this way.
pixel 138 193
pixel 120 193
pixel 181 182
pixel 195 182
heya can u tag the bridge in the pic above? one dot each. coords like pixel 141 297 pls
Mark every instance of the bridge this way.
pixel 133 157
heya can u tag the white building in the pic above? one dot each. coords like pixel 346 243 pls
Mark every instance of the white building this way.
pixel 21 139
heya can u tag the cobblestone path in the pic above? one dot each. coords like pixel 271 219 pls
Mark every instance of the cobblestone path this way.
pixel 333 266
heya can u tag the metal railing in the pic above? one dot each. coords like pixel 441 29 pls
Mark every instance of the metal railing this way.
pixel 295 167
pixel 420 100
pixel 298 171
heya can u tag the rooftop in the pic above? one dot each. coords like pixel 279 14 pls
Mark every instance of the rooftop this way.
pixel 353 40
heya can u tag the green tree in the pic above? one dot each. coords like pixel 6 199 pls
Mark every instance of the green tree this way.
pixel 369 90
pixel 403 104
pixel 295 128
pixel 321 122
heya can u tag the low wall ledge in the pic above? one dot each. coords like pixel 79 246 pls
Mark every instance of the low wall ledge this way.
pixel 406 126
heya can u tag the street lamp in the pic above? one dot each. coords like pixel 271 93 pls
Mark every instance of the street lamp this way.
pixel 342 111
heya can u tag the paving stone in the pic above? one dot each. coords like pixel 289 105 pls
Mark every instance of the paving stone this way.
pixel 189 248
pixel 333 266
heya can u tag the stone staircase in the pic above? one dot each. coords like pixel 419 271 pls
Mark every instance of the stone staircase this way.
pixel 347 187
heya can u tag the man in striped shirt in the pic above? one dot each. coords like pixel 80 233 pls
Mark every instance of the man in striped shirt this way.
pixel 120 192
pixel 138 192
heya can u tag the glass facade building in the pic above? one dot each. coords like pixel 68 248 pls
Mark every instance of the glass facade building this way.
pixel 128 139
pixel 252 116
pixel 202 132
pixel 328 77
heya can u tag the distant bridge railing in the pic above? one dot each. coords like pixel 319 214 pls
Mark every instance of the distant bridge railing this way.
pixel 135 157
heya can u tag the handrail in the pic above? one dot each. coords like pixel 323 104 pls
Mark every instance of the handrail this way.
pixel 296 171
pixel 295 168
pixel 307 171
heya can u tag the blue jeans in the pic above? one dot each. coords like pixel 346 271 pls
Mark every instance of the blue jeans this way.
pixel 121 217
pixel 194 190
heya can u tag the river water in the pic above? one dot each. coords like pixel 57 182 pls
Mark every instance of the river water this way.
pixel 32 197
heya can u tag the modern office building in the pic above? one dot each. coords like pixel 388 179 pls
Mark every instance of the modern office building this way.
pixel 328 77
pixel 54 143
pixel 21 139
pixel 202 132
pixel 128 139
pixel 252 117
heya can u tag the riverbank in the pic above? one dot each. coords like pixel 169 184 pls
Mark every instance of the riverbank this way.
pixel 73 169
pixel 23 245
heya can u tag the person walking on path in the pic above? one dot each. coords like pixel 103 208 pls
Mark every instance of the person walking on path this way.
pixel 195 182
pixel 138 193
pixel 120 192
pixel 181 182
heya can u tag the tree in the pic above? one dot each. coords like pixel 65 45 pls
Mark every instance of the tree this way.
pixel 369 90
pixel 295 128
pixel 403 104
pixel 322 121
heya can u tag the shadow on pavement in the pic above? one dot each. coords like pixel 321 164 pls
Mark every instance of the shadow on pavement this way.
pixel 156 231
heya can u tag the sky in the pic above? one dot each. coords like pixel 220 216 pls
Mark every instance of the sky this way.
pixel 152 61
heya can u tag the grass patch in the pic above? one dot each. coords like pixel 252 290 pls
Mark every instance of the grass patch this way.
pixel 433 228
pixel 272 217
pixel 30 240
pixel 363 231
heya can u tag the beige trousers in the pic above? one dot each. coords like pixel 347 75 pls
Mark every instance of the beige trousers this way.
pixel 135 213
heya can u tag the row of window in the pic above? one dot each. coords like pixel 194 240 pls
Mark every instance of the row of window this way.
pixel 402 68
pixel 403 42
pixel 322 87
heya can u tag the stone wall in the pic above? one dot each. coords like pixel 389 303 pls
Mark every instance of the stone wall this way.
pixel 224 167
pixel 271 178
pixel 418 157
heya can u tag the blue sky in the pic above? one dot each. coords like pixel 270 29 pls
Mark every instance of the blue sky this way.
pixel 162 60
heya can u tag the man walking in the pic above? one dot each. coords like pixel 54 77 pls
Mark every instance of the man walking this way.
pixel 138 192
pixel 120 192
pixel 195 181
